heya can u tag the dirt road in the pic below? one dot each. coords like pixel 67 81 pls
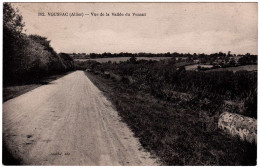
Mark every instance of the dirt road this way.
pixel 69 122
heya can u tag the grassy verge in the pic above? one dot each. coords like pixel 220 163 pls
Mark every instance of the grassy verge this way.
pixel 177 134
pixel 13 91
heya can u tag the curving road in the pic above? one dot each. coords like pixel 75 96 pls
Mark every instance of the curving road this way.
pixel 69 122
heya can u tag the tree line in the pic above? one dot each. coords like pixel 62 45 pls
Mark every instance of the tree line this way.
pixel 204 58
pixel 28 58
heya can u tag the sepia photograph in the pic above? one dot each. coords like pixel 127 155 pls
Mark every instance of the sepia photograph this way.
pixel 129 83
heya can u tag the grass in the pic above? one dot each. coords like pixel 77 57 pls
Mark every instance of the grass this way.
pixel 12 91
pixel 177 134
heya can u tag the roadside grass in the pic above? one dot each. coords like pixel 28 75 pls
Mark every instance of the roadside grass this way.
pixel 12 91
pixel 177 134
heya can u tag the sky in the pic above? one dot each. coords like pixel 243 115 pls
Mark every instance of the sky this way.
pixel 167 27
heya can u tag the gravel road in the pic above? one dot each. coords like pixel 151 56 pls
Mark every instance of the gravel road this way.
pixel 69 122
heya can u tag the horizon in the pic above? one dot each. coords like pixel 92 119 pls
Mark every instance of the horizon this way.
pixel 167 27
pixel 161 53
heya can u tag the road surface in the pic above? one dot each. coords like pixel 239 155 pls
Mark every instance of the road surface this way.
pixel 69 122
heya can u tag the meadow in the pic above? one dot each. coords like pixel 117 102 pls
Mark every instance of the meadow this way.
pixel 195 67
pixel 238 68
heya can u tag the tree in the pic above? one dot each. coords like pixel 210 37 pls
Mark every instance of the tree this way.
pixel 132 59
pixel 12 20
pixel 26 58
pixel 44 42
pixel 232 62
pixel 248 59
pixel 229 53
pixel 13 41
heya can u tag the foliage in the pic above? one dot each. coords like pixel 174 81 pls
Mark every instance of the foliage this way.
pixel 27 58
pixel 132 60
pixel 12 20
pixel 177 133
pixel 248 59
pixel 163 79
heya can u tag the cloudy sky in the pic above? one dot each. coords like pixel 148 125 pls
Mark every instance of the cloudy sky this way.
pixel 167 27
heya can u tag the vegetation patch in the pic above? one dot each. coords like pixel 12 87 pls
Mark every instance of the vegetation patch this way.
pixel 177 134
pixel 28 58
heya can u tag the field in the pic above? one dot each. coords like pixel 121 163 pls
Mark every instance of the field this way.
pixel 118 59
pixel 239 68
pixel 195 67
pixel 234 69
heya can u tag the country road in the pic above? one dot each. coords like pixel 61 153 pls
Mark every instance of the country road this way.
pixel 69 122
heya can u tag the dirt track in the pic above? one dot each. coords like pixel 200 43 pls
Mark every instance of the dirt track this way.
pixel 69 122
